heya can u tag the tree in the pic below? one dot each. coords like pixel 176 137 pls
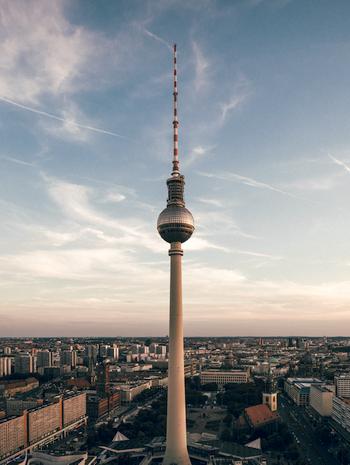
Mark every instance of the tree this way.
pixel 228 419
pixel 226 435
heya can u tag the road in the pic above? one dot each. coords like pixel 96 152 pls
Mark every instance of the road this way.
pixel 300 426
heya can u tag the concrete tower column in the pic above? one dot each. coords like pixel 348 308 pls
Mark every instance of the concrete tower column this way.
pixel 176 444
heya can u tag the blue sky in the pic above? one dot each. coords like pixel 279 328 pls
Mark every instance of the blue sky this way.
pixel 85 122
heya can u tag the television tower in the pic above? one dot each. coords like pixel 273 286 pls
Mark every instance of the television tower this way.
pixel 176 225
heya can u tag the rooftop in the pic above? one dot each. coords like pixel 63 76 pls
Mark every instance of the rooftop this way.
pixel 260 414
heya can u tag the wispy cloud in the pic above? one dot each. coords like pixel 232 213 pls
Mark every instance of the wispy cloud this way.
pixel 229 176
pixel 201 63
pixel 340 163
pixel 56 58
pixel 69 123
pixel 158 39
pixel 17 161
pixel 198 152
pixel 208 201
pixel 239 94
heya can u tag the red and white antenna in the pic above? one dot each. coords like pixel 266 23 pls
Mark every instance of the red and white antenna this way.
pixel 175 122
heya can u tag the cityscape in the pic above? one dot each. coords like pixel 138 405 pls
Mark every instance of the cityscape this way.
pixel 207 328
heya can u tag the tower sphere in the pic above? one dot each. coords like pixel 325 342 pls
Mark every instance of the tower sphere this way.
pixel 175 224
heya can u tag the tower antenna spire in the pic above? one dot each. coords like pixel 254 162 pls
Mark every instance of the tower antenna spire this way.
pixel 175 122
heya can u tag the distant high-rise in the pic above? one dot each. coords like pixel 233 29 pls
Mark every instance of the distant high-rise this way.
pixel 175 225
pixel 113 352
pixel 69 357
pixel 5 366
pixel 25 363
pixel 44 358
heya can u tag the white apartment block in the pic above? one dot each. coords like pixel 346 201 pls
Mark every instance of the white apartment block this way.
pixel 5 366
pixel 321 399
pixel 341 412
pixel 342 385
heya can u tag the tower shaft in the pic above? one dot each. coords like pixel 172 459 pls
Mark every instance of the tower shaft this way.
pixel 176 441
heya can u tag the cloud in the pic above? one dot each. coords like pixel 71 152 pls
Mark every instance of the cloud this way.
pixel 53 59
pixel 16 161
pixel 157 38
pixel 240 93
pixel 201 64
pixel 223 222
pixel 324 183
pixel 212 202
pixel 340 163
pixel 76 201
pixel 69 123
pixel 198 152
pixel 114 197
pixel 229 176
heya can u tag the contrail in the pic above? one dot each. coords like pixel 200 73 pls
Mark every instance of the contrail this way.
pixel 59 118
pixel 339 163
pixel 159 39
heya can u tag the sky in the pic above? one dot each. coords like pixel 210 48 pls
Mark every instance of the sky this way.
pixel 85 130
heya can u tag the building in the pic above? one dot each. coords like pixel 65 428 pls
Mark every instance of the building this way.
pixel 270 395
pixel 342 385
pixel 341 412
pixel 270 399
pixel 13 435
pixel 298 389
pixel 175 225
pixel 113 352
pixel 25 363
pixel 11 388
pixel 129 392
pixel 44 359
pixel 44 421
pixel 69 357
pixel 97 406
pixel 15 407
pixel 5 366
pixel 260 417
pixel 74 408
pixel 222 377
pixel 39 423
pixel 321 399
pixel 102 378
pixel 161 351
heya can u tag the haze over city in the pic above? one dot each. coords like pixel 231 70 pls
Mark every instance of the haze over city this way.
pixel 86 137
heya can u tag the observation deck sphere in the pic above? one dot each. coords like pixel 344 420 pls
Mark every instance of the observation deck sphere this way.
pixel 175 224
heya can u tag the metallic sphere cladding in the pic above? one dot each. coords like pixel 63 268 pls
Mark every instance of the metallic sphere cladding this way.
pixel 175 224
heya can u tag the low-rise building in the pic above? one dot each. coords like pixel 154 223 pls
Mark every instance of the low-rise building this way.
pixel 11 388
pixel 99 406
pixel 298 389
pixel 260 417
pixel 129 392
pixel 222 377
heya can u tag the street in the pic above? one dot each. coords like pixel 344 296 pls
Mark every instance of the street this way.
pixel 301 428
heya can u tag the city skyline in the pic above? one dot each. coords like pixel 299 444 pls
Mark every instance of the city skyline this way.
pixel 85 112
